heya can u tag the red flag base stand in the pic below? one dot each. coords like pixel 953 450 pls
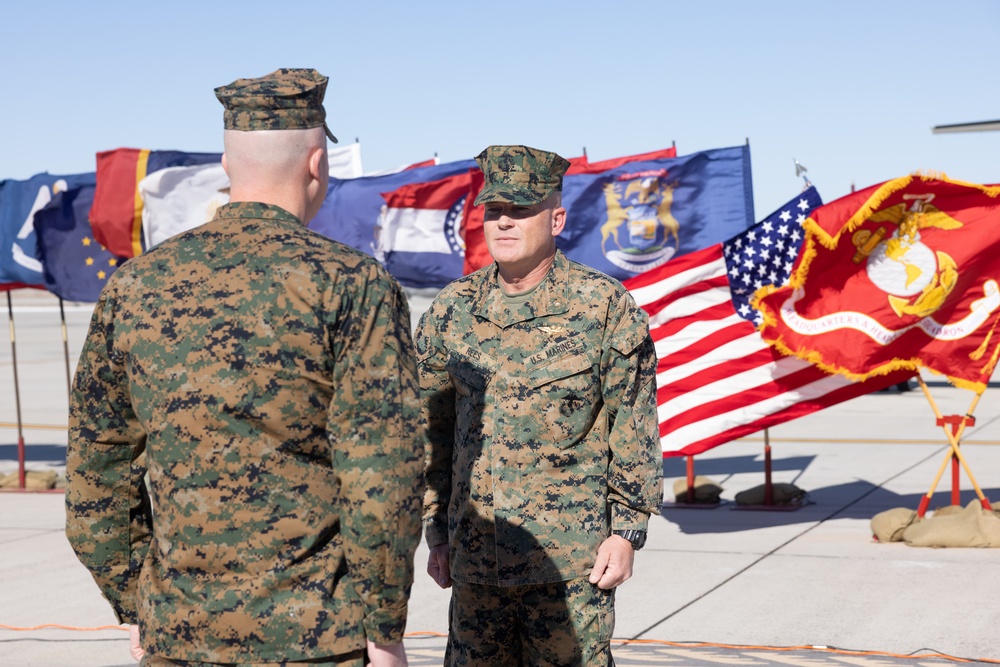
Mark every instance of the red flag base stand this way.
pixel 22 475
pixel 690 494
pixel 769 505
pixel 32 490
pixel 954 426
pixel 22 486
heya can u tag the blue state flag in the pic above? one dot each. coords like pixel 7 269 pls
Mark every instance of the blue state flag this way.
pixel 635 217
pixel 19 201
pixel 76 267
pixel 350 213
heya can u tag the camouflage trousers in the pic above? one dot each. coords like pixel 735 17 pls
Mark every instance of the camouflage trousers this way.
pixel 352 659
pixel 563 624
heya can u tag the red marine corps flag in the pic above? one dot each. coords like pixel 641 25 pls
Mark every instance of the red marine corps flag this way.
pixel 901 275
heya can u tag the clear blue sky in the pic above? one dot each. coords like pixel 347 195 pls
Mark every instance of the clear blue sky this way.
pixel 849 88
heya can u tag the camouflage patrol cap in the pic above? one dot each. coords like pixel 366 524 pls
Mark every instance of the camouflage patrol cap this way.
pixel 286 99
pixel 519 174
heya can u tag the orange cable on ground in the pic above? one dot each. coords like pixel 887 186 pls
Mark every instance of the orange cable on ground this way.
pixel 619 642
pixel 822 649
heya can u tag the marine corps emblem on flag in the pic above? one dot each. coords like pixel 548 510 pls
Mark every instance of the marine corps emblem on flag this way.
pixel 902 275
pixel 916 278
pixel 640 233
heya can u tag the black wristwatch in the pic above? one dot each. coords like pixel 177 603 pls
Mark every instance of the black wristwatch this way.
pixel 637 538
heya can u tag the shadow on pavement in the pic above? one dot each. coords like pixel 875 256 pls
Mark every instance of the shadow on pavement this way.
pixel 859 499
pixel 55 454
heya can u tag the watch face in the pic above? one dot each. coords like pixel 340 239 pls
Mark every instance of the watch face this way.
pixel 638 540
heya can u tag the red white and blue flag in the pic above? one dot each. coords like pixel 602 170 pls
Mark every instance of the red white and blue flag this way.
pixel 419 237
pixel 352 210
pixel 717 380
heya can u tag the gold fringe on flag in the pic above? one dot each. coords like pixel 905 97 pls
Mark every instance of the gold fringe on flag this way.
pixel 987 370
pixel 978 353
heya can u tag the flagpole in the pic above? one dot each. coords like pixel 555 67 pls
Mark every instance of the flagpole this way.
pixel 17 396
pixel 768 489
pixel 65 337
pixel 956 452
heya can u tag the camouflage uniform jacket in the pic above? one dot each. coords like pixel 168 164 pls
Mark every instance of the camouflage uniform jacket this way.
pixel 541 424
pixel 265 375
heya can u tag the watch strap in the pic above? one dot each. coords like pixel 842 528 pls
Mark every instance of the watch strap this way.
pixel 637 538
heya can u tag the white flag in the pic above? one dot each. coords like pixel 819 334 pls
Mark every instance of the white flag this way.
pixel 177 199
pixel 345 161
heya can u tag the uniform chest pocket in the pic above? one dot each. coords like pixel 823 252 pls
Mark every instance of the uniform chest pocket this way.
pixel 566 394
pixel 559 369
pixel 467 376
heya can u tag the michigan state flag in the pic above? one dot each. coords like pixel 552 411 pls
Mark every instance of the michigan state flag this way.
pixel 639 215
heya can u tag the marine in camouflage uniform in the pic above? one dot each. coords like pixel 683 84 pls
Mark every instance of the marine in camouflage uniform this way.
pixel 542 437
pixel 265 376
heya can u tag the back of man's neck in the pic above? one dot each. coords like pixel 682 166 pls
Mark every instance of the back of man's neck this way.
pixel 293 205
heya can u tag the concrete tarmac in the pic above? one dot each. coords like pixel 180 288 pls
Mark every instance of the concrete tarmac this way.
pixel 712 586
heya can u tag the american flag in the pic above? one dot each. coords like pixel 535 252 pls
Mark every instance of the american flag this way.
pixel 717 380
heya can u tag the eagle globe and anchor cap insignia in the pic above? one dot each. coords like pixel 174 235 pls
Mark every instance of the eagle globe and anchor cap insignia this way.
pixel 640 232
pixel 916 279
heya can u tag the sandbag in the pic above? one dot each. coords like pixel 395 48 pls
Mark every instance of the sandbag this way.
pixel 974 526
pixel 947 509
pixel 782 493
pixel 33 479
pixel 888 526
pixel 705 490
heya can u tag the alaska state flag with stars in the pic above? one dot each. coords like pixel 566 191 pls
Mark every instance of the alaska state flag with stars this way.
pixel 76 266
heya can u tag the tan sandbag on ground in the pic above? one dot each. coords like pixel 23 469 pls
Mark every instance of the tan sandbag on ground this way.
pixel 33 479
pixel 947 509
pixel 974 526
pixel 705 490
pixel 782 493
pixel 888 526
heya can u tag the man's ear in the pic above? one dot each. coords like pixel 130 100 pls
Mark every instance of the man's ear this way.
pixel 225 166
pixel 558 220
pixel 316 163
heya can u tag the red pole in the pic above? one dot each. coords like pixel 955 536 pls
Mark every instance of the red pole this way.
pixel 690 479
pixel 956 497
pixel 768 489
pixel 922 508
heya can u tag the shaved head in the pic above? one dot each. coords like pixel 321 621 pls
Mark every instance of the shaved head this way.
pixel 272 165
pixel 267 154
